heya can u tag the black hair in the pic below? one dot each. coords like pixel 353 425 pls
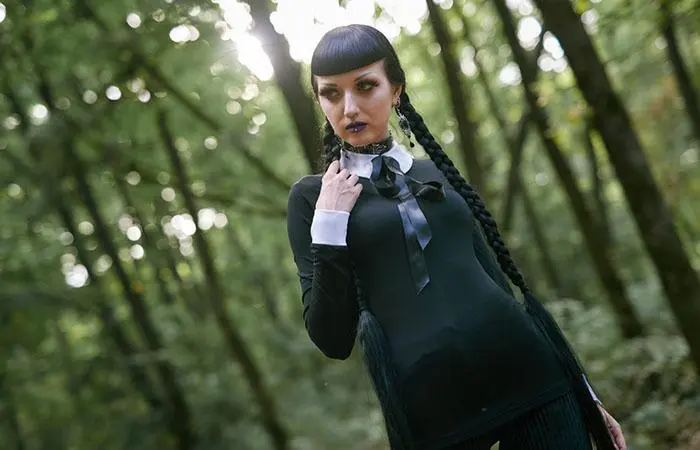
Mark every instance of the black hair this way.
pixel 344 49
pixel 350 47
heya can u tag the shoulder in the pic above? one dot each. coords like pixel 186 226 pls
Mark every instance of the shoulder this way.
pixel 426 169
pixel 309 181
pixel 304 193
pixel 423 164
pixel 306 185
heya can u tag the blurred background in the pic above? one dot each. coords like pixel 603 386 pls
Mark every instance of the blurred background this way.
pixel 148 298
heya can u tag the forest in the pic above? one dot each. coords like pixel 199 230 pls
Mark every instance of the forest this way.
pixel 148 294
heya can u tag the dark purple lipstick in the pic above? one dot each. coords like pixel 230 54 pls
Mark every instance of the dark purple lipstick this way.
pixel 356 127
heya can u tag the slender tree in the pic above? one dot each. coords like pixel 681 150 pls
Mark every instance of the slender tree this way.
pixel 181 419
pixel 548 264
pixel 649 209
pixel 217 300
pixel 11 412
pixel 288 75
pixel 459 98
pixel 680 70
pixel 179 416
pixel 598 186
pixel 515 145
pixel 111 326
pixel 137 59
pixel 628 320
pixel 149 240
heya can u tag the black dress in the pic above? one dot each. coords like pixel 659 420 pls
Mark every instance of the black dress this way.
pixel 467 354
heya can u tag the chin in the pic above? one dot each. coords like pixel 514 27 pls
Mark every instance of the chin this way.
pixel 360 139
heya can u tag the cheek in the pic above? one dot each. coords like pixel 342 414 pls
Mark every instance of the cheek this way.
pixel 330 111
pixel 381 110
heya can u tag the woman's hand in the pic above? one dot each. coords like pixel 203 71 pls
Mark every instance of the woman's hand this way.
pixel 339 189
pixel 614 429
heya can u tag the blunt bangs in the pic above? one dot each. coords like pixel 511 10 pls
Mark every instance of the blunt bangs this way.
pixel 348 48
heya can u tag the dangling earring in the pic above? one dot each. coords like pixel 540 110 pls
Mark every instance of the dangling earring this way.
pixel 404 125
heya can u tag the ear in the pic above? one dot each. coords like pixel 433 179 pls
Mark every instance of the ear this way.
pixel 398 89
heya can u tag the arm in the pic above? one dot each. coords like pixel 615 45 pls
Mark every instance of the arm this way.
pixel 327 285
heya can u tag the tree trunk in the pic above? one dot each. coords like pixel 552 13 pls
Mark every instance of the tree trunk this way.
pixel 547 261
pixel 70 433
pixel 15 425
pixel 237 346
pixel 288 75
pixel 180 417
pixel 516 143
pixel 139 60
pixel 110 325
pixel 195 291
pixel 629 322
pixel 678 278
pixel 262 279
pixel 460 99
pixel 516 146
pixel 598 185
pixel 6 395
pixel 683 78
pixel 149 240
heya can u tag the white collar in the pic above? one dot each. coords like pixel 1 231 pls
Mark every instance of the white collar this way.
pixel 360 164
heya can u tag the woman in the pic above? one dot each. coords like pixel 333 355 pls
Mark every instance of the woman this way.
pixel 456 361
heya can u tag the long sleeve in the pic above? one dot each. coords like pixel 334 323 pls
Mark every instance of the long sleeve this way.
pixel 327 284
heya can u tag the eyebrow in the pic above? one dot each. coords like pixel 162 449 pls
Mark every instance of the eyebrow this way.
pixel 362 75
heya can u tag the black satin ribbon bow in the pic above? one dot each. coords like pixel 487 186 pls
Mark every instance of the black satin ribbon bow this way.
pixel 391 182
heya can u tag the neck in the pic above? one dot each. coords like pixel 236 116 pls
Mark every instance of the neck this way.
pixel 375 148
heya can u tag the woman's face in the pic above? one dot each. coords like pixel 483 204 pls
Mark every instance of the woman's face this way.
pixel 358 103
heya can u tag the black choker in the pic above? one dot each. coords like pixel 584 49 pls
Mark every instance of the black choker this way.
pixel 376 148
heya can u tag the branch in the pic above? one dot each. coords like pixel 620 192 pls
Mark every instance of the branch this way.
pixel 236 344
pixel 156 74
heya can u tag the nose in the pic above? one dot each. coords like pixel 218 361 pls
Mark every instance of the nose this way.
pixel 351 109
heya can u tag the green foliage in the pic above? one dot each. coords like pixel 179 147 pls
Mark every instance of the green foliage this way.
pixel 64 380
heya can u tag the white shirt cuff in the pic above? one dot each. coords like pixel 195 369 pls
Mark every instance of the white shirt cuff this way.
pixel 590 389
pixel 329 227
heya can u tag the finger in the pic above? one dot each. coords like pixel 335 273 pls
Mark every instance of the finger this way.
pixel 333 168
pixel 353 179
pixel 344 174
pixel 620 439
pixel 616 433
pixel 357 188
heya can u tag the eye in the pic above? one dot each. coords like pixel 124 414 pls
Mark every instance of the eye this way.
pixel 367 85
pixel 328 92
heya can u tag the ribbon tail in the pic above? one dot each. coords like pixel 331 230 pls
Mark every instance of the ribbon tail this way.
pixel 419 222
pixel 419 271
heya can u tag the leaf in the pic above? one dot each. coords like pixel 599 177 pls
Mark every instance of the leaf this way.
pixel 44 17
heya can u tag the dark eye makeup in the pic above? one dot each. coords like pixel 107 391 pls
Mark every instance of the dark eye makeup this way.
pixel 367 84
pixel 364 85
pixel 327 92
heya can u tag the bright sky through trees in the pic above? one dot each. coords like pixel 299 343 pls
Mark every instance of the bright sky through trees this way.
pixel 303 22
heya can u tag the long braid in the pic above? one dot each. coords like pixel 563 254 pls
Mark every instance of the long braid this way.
pixel 331 149
pixel 375 345
pixel 476 205
pixel 541 316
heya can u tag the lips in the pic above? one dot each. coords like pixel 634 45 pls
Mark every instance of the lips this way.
pixel 356 127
